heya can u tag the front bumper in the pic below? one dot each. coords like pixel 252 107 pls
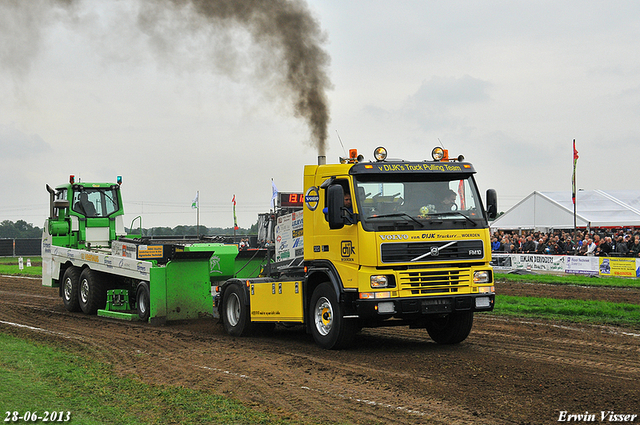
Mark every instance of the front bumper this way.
pixel 413 308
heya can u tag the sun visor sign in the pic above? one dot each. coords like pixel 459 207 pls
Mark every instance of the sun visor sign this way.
pixel 411 167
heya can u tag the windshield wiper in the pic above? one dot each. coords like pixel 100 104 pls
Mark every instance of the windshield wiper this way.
pixel 456 213
pixel 403 215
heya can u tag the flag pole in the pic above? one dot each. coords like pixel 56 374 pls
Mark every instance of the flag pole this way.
pixel 196 204
pixel 198 215
pixel 574 190
pixel 235 220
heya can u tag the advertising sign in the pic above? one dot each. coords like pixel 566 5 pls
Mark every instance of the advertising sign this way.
pixel 288 234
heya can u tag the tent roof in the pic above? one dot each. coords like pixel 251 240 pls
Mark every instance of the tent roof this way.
pixel 554 210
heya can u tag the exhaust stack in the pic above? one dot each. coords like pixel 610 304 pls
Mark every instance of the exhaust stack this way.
pixel 322 160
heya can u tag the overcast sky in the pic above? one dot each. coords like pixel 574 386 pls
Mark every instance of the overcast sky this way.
pixel 507 84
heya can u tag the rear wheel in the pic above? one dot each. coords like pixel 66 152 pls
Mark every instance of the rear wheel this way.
pixel 142 301
pixel 329 329
pixel 450 329
pixel 235 313
pixel 70 282
pixel 92 291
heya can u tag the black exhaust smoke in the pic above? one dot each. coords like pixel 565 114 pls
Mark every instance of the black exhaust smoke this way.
pixel 284 29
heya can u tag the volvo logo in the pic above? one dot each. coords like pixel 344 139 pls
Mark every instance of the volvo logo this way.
pixel 435 251
pixel 312 198
pixel 393 237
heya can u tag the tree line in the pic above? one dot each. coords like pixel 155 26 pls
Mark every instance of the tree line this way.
pixel 193 231
pixel 19 230
pixel 23 230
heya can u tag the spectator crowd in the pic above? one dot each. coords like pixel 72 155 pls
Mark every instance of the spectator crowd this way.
pixel 598 242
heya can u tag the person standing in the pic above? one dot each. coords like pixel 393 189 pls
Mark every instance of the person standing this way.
pixel 529 247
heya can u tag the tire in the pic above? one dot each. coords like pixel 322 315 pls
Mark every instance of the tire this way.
pixel 70 282
pixel 450 329
pixel 235 313
pixel 92 291
pixel 329 329
pixel 143 301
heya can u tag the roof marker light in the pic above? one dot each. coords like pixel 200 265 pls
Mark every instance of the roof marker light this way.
pixel 380 153
pixel 439 154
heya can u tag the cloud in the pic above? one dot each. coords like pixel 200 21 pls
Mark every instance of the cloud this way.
pixel 450 91
pixel 437 104
pixel 16 144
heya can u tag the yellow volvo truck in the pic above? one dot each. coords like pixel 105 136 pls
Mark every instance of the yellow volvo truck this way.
pixel 377 243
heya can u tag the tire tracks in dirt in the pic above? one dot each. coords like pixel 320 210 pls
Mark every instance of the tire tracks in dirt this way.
pixel 508 371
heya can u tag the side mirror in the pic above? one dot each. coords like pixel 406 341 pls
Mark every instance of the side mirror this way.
pixel 492 204
pixel 335 201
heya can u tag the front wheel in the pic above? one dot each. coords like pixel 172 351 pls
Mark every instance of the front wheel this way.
pixel 450 329
pixel 235 313
pixel 329 329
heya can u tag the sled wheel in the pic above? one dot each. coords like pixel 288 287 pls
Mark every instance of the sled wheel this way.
pixel 92 291
pixel 70 282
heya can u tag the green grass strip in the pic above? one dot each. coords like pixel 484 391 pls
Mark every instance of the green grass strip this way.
pixel 10 266
pixel 36 377
pixel 619 282
pixel 598 312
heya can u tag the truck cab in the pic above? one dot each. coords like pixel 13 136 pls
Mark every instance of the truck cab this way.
pixel 386 243
pixel 85 215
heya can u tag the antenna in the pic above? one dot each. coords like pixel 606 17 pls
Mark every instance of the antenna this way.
pixel 343 149
pixel 441 145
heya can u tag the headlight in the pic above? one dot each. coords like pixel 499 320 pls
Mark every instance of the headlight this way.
pixel 483 276
pixel 380 154
pixel 487 290
pixel 379 281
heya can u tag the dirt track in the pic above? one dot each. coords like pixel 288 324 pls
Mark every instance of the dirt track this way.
pixel 509 371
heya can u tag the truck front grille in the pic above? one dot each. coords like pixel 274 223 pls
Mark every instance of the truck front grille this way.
pixel 407 252
pixel 434 281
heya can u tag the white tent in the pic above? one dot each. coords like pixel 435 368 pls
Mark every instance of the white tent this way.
pixel 554 210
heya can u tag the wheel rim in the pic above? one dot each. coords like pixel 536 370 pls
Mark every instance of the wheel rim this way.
pixel 323 316
pixel 233 309
pixel 142 303
pixel 84 290
pixel 67 289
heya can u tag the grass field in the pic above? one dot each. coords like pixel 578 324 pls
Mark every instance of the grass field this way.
pixel 38 377
pixel 581 311
pixel 10 266
pixel 572 310
pixel 570 280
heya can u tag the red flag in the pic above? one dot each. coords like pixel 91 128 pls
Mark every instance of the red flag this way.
pixel 235 219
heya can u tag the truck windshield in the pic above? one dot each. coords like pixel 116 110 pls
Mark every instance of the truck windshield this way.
pixel 95 202
pixel 424 201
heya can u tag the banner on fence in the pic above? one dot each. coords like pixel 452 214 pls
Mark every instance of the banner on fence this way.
pixel 603 266
pixel 582 265
pixel 623 267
